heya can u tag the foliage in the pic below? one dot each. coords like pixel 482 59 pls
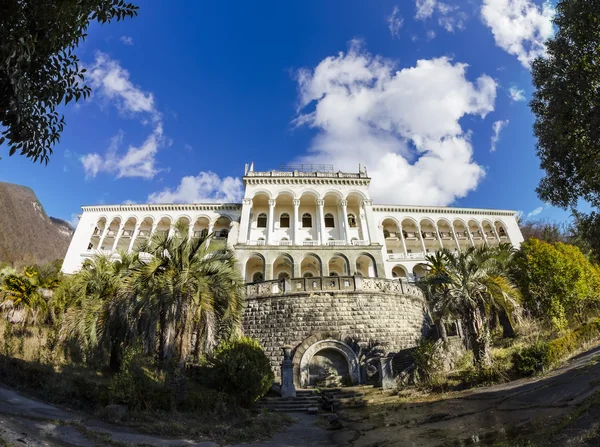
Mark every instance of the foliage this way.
pixel 559 284
pixel 473 286
pixel 39 69
pixel 242 369
pixel 428 363
pixel 23 300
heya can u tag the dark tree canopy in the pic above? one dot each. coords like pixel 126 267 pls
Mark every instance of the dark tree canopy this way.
pixel 38 67
pixel 566 104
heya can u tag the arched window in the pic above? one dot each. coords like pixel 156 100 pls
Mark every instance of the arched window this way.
pixel 257 277
pixel 261 221
pixel 329 221
pixel 351 221
pixel 308 275
pixel 283 275
pixel 284 220
pixel 306 220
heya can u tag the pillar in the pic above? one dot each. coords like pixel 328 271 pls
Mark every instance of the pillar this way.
pixel 321 220
pixel 483 235
pixel 344 205
pixel 133 236
pixel 296 203
pixel 364 231
pixel 422 241
pixel 455 238
pixel 118 236
pixel 245 221
pixel 104 233
pixel 403 240
pixel 368 207
pixel 287 374
pixel 437 233
pixel 270 221
pixel 470 235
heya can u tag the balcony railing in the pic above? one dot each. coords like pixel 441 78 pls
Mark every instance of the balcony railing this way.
pixel 445 235
pixel 256 242
pixel 127 233
pixel 144 233
pixel 310 243
pixel 402 256
pixel 360 243
pixel 428 235
pixel 284 243
pixel 110 233
pixel 476 234
pixel 336 242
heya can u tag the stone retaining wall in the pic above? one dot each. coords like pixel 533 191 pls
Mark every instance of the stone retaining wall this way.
pixel 394 319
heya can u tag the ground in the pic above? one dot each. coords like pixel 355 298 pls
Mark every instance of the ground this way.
pixel 561 408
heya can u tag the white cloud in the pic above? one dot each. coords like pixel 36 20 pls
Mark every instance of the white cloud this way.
pixel 516 94
pixel 395 22
pixel 520 27
pixel 425 9
pixel 205 187
pixel 129 202
pixel 403 125
pixel 430 34
pixel 535 212
pixel 127 40
pixel 448 16
pixel 111 82
pixel 497 127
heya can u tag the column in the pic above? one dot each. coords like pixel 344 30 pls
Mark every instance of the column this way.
pixel 368 206
pixel 496 233
pixel 363 226
pixel 470 235
pixel 118 236
pixel 104 232
pixel 296 203
pixel 133 236
pixel 483 235
pixel 245 221
pixel 152 232
pixel 321 219
pixel 422 241
pixel 270 221
pixel 171 232
pixel 437 233
pixel 344 205
pixel 455 238
pixel 403 241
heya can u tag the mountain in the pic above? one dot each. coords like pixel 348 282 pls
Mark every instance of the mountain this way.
pixel 27 234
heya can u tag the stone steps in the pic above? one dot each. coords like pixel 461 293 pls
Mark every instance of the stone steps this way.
pixel 309 400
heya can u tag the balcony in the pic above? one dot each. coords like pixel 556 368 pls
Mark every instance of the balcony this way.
pixel 404 257
pixel 445 235
pixel 127 233
pixel 284 243
pixel 256 242
pixel 462 235
pixel 97 232
pixel 144 233
pixel 110 233
pixel 476 234
pixel 360 243
pixel 428 235
pixel 336 242
pixel 411 235
pixel 310 243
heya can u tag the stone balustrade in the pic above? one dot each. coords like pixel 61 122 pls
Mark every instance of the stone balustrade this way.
pixel 331 283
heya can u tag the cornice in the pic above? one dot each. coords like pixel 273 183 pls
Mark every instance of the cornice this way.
pixel 165 207
pixel 441 210
pixel 364 181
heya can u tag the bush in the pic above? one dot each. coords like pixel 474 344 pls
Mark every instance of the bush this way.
pixel 531 360
pixel 428 363
pixel 138 384
pixel 242 369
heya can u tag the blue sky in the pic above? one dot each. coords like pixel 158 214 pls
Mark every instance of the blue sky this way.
pixel 188 92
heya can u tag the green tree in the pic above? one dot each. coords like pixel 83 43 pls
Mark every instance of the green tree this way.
pixel 472 285
pixel 23 299
pixel 186 293
pixel 39 69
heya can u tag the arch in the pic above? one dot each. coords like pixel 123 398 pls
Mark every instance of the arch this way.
pixel 311 263
pixel 420 270
pixel 284 192
pixel 284 263
pixel 396 221
pixel 255 265
pixel 339 265
pixel 366 266
pixel 258 192
pixel 126 233
pixel 501 230
pixel 400 272
pixel 309 193
pixel 352 362
pixel 358 193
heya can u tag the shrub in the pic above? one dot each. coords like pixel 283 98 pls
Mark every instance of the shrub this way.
pixel 242 369
pixel 531 359
pixel 138 384
pixel 428 363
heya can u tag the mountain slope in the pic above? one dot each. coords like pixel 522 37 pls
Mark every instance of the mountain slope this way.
pixel 27 234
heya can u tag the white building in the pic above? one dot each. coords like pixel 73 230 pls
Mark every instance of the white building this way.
pixel 302 221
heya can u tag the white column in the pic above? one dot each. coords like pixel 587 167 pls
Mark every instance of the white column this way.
pixel 422 241
pixel 133 236
pixel 437 233
pixel 344 205
pixel 483 235
pixel 245 221
pixel 363 226
pixel 368 207
pixel 296 203
pixel 104 232
pixel 171 231
pixel 455 238
pixel 496 233
pixel 402 239
pixel 270 221
pixel 470 235
pixel 321 224
pixel 117 236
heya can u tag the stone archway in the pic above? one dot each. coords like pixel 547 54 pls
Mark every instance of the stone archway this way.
pixel 328 354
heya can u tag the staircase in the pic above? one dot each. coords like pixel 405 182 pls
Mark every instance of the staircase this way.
pixel 308 401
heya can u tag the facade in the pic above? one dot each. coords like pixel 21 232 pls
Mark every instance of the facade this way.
pixel 326 269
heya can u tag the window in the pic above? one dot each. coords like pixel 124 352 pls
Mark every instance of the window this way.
pixel 306 220
pixel 329 222
pixel 90 246
pixel 351 221
pixel 257 277
pixel 333 274
pixel 261 221
pixel 386 233
pixel 223 233
pixel 284 220
pixel 308 275
pixel 283 275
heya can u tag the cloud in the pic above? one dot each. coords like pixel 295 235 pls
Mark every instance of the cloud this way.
pixel 402 124
pixel 205 187
pixel 111 82
pixel 497 127
pixel 395 22
pixel 535 212
pixel 127 40
pixel 520 27
pixel 516 94
pixel 448 16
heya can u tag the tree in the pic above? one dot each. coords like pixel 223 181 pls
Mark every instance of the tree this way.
pixel 186 292
pixel 471 285
pixel 23 298
pixel 39 69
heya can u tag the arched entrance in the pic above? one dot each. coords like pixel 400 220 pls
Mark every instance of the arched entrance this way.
pixel 255 268
pixel 329 363
pixel 310 266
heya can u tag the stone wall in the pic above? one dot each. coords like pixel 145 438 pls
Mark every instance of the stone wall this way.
pixel 393 318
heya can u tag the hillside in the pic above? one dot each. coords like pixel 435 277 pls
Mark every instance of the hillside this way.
pixel 27 234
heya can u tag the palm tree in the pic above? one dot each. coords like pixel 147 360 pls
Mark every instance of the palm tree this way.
pixel 186 292
pixel 472 285
pixel 97 315
pixel 22 298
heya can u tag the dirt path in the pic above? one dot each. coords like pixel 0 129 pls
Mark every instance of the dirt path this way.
pixel 494 415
